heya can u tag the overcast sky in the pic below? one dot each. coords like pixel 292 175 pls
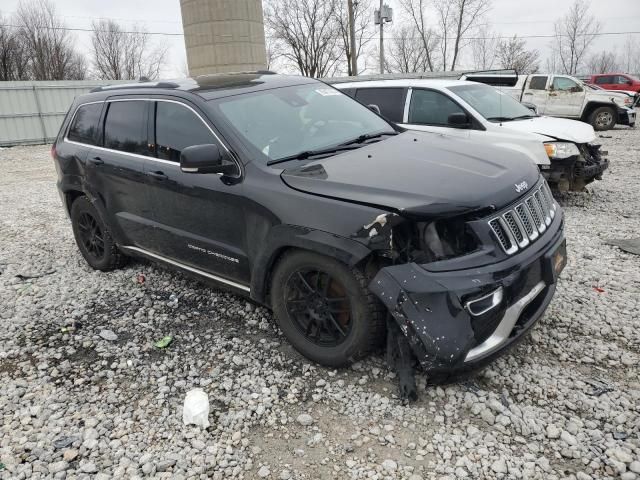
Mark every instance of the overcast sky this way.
pixel 507 17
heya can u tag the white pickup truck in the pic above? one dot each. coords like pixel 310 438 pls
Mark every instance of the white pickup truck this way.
pixel 562 96
pixel 565 150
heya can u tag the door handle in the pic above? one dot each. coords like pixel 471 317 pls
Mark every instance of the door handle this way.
pixel 528 93
pixel 553 94
pixel 157 175
pixel 96 161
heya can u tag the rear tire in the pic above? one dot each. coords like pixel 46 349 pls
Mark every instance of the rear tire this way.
pixel 93 237
pixel 336 329
pixel 603 118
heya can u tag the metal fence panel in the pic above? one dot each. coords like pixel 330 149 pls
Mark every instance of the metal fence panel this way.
pixel 32 112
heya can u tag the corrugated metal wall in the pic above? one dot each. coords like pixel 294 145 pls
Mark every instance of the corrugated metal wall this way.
pixel 31 112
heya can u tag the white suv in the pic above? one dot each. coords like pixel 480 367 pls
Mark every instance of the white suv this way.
pixel 562 148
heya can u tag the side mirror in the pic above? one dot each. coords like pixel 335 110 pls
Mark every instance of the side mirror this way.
pixel 576 89
pixel 374 108
pixel 459 120
pixel 531 107
pixel 629 82
pixel 206 159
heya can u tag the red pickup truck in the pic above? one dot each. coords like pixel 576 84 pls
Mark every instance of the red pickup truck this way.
pixel 616 81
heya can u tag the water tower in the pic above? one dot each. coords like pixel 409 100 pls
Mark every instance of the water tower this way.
pixel 223 35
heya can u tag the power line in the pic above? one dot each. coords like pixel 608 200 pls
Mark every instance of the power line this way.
pixel 494 37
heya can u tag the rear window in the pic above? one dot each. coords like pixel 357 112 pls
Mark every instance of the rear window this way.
pixel 125 127
pixel 603 80
pixel 84 126
pixel 538 83
pixel 389 100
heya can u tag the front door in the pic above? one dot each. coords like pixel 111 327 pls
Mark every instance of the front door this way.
pixel 199 217
pixel 429 111
pixel 565 98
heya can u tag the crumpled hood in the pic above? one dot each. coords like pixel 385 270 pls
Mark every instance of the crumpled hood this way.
pixel 420 173
pixel 555 128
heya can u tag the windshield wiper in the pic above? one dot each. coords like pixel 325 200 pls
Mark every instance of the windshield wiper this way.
pixel 349 145
pixel 499 119
pixel 524 117
pixel 310 153
pixel 367 136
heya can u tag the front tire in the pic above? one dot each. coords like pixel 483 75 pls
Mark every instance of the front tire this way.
pixel 325 310
pixel 603 118
pixel 93 237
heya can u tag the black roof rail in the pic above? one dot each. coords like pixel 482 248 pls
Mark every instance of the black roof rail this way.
pixel 498 71
pixel 140 84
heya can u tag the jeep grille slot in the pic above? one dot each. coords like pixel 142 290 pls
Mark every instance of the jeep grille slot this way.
pixel 519 226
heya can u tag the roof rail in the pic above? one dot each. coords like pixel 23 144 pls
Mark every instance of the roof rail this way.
pixel 248 72
pixel 140 84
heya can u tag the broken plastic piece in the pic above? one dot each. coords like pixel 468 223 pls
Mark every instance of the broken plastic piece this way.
pixel 163 342
pixel 598 289
pixel 140 278
pixel 196 408
pixel 401 358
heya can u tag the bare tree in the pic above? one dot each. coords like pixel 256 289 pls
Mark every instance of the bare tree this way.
pixel 363 29
pixel 47 45
pixel 308 33
pixel 118 54
pixel 484 48
pixel 406 53
pixel 574 34
pixel 416 9
pixel 457 18
pixel 602 62
pixel 513 54
pixel 631 55
pixel 12 57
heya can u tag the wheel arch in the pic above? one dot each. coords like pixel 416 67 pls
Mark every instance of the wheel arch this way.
pixel 592 105
pixel 286 238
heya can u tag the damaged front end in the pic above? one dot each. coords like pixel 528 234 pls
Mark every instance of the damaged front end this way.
pixel 461 289
pixel 574 166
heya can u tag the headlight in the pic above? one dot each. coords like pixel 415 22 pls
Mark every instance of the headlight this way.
pixel 622 102
pixel 561 149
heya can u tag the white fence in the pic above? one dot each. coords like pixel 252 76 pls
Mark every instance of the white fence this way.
pixel 31 112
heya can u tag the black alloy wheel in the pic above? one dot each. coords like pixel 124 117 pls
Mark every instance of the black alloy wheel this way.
pixel 319 307
pixel 91 235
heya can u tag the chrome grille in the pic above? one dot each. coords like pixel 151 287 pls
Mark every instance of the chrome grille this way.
pixel 524 223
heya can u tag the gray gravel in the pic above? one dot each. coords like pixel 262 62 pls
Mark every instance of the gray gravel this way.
pixel 84 394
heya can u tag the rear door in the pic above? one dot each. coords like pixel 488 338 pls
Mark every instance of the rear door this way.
pixel 605 81
pixel 566 97
pixel 199 217
pixel 429 111
pixel 390 101
pixel 116 169
pixel 536 92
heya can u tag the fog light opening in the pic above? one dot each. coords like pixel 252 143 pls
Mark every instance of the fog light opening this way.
pixel 482 305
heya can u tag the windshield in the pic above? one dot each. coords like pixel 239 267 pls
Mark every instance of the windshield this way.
pixel 284 122
pixel 491 103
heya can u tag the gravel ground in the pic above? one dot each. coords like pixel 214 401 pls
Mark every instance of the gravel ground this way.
pixel 77 401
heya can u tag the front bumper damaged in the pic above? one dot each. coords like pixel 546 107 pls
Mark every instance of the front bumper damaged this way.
pixel 575 172
pixel 434 310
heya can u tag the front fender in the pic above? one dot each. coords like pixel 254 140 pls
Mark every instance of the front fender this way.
pixel 282 237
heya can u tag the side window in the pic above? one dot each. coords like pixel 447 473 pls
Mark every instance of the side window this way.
pixel 603 80
pixel 429 107
pixel 620 80
pixel 563 83
pixel 177 127
pixel 538 83
pixel 389 100
pixel 349 91
pixel 84 127
pixel 125 127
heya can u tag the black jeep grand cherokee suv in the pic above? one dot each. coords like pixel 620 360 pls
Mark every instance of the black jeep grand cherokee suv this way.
pixel 285 190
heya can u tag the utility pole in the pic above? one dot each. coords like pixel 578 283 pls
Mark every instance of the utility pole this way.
pixel 381 38
pixel 352 40
pixel 385 14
